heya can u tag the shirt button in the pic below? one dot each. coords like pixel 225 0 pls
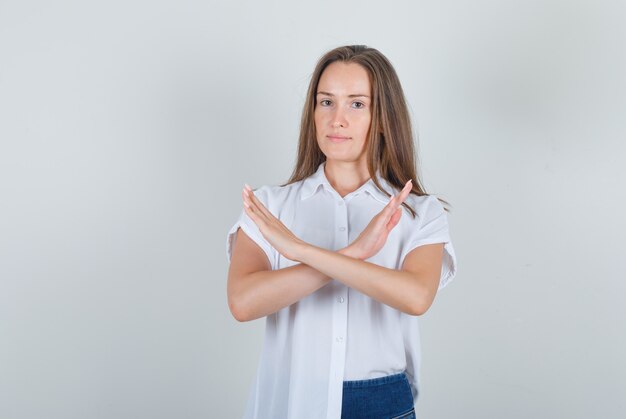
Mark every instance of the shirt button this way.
pixel 340 203
pixel 342 228
pixel 340 299
pixel 339 339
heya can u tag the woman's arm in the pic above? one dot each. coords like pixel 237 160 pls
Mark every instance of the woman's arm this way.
pixel 254 291
pixel 411 290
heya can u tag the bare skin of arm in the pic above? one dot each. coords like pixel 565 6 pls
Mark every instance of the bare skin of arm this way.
pixel 254 290
pixel 410 290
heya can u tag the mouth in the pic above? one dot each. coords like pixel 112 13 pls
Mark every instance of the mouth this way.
pixel 337 138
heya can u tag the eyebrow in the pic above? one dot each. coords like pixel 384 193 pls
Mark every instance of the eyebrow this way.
pixel 330 94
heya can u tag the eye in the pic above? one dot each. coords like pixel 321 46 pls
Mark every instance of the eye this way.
pixel 360 105
pixel 324 100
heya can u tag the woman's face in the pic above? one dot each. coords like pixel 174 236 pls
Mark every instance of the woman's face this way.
pixel 343 111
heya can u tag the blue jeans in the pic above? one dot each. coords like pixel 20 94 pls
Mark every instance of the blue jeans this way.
pixel 387 397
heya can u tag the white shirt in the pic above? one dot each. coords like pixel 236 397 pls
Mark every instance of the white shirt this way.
pixel 337 333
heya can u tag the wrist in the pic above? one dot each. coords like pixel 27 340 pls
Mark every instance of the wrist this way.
pixel 303 250
pixel 350 251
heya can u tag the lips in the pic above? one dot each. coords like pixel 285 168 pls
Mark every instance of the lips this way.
pixel 337 138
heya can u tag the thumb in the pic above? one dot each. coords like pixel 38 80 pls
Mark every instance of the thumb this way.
pixel 394 219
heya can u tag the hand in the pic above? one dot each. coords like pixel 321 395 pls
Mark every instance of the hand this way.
pixel 374 237
pixel 274 231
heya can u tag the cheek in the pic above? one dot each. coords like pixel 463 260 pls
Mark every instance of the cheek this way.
pixel 364 123
pixel 317 124
pixel 317 120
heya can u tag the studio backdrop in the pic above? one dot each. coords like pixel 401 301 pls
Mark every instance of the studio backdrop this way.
pixel 128 129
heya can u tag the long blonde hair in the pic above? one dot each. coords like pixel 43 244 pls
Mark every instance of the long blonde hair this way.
pixel 390 147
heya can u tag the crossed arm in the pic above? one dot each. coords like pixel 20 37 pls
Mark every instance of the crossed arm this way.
pixel 411 289
pixel 254 290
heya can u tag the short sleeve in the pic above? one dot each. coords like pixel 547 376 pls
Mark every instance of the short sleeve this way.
pixel 252 230
pixel 433 228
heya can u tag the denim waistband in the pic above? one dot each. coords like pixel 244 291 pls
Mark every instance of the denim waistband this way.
pixel 375 381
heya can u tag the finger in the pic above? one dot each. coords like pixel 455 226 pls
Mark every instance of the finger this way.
pixel 392 204
pixel 252 213
pixel 408 187
pixel 398 199
pixel 252 208
pixel 257 202
pixel 262 214
pixel 394 219
pixel 388 211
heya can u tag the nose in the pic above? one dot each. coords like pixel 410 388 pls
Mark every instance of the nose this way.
pixel 339 119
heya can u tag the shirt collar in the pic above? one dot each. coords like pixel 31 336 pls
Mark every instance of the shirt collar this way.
pixel 312 184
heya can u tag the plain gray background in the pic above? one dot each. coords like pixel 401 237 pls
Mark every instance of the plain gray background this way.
pixel 129 128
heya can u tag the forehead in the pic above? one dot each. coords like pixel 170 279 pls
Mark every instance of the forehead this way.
pixel 342 78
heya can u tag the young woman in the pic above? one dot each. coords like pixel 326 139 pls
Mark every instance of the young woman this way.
pixel 344 257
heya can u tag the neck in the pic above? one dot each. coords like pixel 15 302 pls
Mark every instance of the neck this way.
pixel 346 177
